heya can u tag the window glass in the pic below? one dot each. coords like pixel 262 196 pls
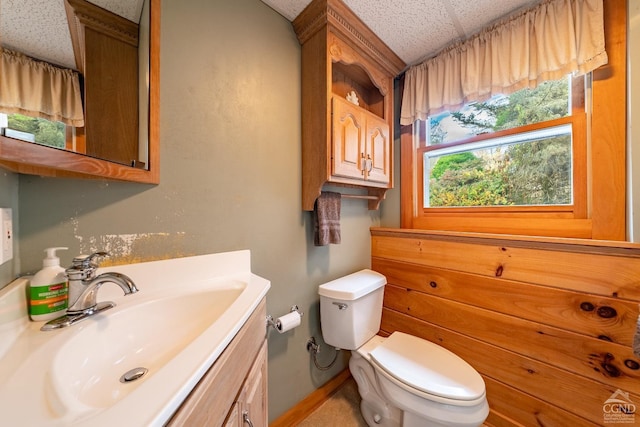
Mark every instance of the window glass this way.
pixel 502 152
pixel 550 100
pixel 531 168
pixel 33 129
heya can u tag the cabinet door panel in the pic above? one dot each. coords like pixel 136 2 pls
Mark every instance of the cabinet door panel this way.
pixel 378 150
pixel 235 417
pixel 255 400
pixel 348 139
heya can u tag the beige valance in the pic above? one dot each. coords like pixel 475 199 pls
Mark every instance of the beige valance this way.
pixel 547 42
pixel 39 89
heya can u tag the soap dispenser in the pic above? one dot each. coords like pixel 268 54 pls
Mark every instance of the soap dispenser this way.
pixel 48 289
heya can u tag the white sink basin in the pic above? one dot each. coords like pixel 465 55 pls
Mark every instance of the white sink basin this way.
pixel 88 370
pixel 186 312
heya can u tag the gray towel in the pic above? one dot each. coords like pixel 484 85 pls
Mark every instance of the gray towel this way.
pixel 326 215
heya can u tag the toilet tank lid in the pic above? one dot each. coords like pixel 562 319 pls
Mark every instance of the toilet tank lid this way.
pixel 353 286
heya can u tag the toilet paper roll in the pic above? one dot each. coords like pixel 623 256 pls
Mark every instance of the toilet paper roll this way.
pixel 288 321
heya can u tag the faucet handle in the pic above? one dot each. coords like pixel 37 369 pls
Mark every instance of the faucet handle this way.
pixel 86 261
pixel 83 266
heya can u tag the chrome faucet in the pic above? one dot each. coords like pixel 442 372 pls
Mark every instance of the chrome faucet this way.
pixel 83 290
pixel 84 284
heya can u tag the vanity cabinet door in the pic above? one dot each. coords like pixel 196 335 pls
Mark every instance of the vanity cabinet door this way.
pixel 235 417
pixel 254 393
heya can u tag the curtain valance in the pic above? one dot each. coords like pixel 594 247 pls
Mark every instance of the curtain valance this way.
pixel 549 41
pixel 39 89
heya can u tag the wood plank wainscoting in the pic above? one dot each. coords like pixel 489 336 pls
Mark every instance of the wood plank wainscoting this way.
pixel 549 323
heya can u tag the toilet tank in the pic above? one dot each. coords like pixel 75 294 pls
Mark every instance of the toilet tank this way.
pixel 351 309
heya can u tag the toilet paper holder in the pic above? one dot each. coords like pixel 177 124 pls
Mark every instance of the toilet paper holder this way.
pixel 275 322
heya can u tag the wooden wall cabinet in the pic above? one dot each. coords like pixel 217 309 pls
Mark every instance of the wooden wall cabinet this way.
pixel 35 159
pixel 234 390
pixel 344 143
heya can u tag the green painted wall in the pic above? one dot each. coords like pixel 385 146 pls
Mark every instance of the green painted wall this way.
pixel 230 179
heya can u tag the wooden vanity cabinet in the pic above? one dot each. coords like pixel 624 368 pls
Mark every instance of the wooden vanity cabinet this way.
pixel 252 399
pixel 345 143
pixel 235 385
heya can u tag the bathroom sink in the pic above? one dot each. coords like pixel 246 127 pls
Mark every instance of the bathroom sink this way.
pixel 89 367
pixel 135 363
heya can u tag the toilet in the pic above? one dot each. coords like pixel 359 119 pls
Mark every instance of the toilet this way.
pixel 403 380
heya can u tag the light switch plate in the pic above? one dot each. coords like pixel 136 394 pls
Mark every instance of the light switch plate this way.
pixel 6 238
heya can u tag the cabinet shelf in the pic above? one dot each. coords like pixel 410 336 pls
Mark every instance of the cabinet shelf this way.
pixel 352 78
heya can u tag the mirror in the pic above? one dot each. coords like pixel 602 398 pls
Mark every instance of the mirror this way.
pixel 28 158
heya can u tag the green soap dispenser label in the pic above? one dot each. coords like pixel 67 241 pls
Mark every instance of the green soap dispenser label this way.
pixel 48 299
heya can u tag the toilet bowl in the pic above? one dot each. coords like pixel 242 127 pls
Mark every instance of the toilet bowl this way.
pixel 429 383
pixel 403 380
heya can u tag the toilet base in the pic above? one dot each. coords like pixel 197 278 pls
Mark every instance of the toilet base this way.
pixel 419 412
pixel 379 409
pixel 374 417
pixel 375 410
pixel 413 420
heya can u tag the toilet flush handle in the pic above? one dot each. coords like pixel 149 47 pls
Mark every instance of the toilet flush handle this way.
pixel 341 305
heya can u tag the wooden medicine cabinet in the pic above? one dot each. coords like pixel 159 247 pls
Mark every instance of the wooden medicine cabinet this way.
pixel 105 45
pixel 347 103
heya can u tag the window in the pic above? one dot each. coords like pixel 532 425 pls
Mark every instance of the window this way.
pixel 596 177
pixel 37 130
pixel 528 164
pixel 513 164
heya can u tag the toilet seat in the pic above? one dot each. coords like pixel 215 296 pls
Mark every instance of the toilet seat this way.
pixel 428 370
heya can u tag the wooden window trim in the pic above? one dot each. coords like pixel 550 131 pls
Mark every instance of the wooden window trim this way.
pixel 599 170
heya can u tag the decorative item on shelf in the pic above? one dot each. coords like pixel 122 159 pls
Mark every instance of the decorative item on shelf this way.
pixel 352 97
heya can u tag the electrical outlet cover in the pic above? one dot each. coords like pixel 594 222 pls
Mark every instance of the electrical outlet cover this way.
pixel 6 238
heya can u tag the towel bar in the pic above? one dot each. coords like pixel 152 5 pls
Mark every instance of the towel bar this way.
pixel 358 196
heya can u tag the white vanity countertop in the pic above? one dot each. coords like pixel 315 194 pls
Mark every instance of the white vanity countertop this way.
pixel 35 391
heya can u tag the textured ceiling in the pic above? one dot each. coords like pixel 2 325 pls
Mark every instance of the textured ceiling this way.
pixel 417 29
pixel 413 29
pixel 39 28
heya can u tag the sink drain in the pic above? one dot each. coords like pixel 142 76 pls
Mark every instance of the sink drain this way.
pixel 133 374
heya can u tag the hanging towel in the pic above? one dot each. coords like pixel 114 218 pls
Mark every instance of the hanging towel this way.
pixel 326 215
